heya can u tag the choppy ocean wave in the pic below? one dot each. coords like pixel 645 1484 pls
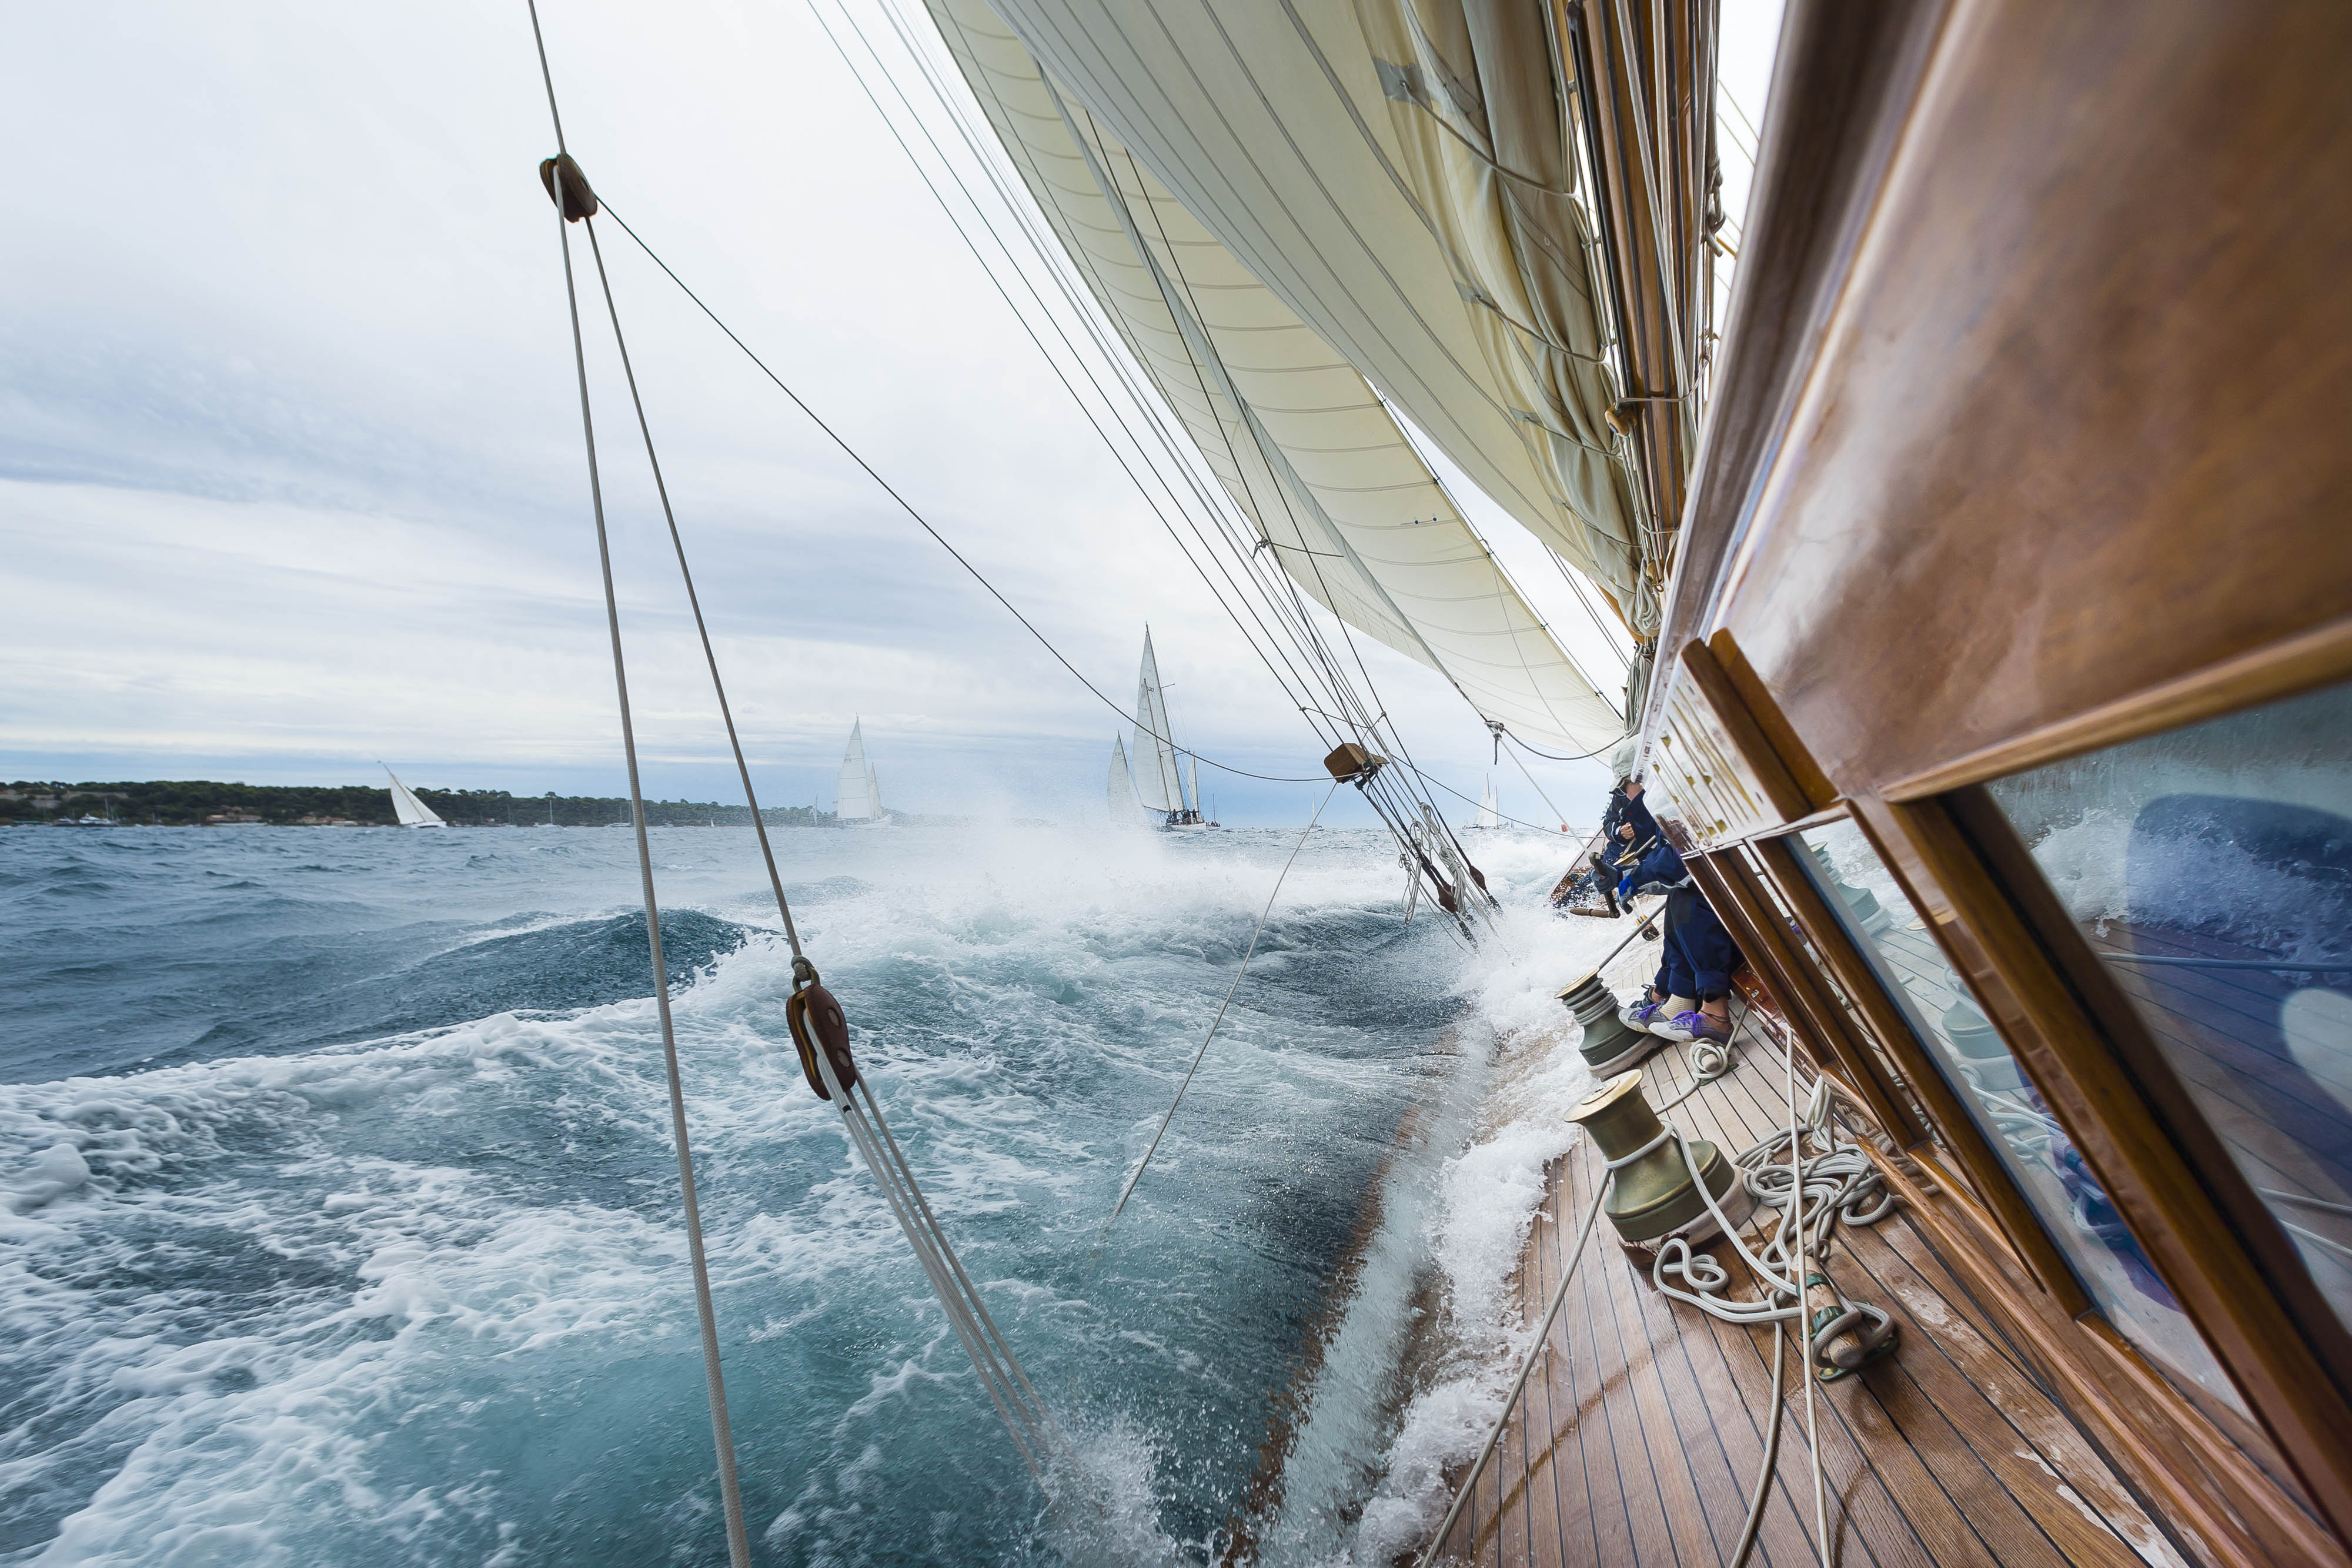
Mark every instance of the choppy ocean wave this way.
pixel 339 1224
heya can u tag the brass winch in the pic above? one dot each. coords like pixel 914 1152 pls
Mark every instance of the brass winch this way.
pixel 1653 1195
pixel 1610 1045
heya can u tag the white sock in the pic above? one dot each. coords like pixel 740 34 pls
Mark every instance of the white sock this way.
pixel 1677 1006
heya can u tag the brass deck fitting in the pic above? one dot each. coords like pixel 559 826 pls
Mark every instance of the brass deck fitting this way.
pixel 1608 1045
pixel 1653 1197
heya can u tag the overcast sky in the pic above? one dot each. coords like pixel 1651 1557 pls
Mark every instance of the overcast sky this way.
pixel 290 471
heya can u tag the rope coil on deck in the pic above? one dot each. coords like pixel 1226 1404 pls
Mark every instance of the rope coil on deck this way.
pixel 1814 1196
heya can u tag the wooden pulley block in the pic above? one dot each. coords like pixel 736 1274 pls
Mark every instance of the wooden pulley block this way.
pixel 816 1019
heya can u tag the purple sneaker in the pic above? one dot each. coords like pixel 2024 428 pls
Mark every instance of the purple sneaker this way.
pixel 1692 1025
pixel 1642 1015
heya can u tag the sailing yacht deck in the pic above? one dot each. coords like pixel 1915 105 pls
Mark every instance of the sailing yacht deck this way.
pixel 1638 1437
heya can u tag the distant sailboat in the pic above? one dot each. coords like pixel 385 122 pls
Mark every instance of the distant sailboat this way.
pixel 1119 788
pixel 1158 783
pixel 412 811
pixel 1488 816
pixel 859 796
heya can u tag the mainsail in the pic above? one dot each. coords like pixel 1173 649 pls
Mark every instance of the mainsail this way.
pixel 1402 175
pixel 858 796
pixel 412 811
pixel 1192 768
pixel 1302 444
pixel 1156 781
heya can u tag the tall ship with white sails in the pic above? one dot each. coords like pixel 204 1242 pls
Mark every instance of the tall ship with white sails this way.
pixel 1489 815
pixel 1159 777
pixel 1975 552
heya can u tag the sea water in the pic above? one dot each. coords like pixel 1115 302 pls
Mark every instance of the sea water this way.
pixel 339 1221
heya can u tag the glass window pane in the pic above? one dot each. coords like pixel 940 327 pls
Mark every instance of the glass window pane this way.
pixel 2009 1112
pixel 2211 868
pixel 1827 978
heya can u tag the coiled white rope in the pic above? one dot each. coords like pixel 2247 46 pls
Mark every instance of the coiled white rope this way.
pixel 1815 1195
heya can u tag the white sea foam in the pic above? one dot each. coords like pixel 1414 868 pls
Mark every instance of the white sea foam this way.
pixel 424 1299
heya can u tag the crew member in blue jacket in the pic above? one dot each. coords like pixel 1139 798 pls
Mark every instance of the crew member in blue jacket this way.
pixel 1690 999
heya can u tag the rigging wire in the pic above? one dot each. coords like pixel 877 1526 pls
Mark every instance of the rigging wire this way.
pixel 1154 414
pixel 1533 785
pixel 1377 790
pixel 693 599
pixel 1030 1427
pixel 738 1546
pixel 920 521
pixel 997 282
pixel 1259 930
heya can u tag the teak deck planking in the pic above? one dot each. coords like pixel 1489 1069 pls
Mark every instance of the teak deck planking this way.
pixel 1639 1434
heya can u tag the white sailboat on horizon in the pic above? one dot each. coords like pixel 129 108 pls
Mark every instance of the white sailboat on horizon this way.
pixel 1490 813
pixel 411 812
pixel 1158 783
pixel 858 797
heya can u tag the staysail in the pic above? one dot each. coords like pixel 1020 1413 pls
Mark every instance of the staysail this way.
pixel 1401 176
pixel 1156 782
pixel 1299 440
pixel 857 797
pixel 411 812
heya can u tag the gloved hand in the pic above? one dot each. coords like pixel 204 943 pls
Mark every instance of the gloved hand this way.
pixel 1625 886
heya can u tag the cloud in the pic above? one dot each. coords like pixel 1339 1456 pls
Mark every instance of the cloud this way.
pixel 290 470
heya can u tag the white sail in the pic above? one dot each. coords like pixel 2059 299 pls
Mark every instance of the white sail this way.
pixel 1193 782
pixel 1403 182
pixel 1121 787
pixel 1488 816
pixel 857 800
pixel 1298 439
pixel 412 811
pixel 874 790
pixel 1156 782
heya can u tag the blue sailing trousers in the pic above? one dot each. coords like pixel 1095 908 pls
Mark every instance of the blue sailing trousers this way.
pixel 1700 956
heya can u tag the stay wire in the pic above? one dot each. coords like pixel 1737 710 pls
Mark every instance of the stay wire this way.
pixel 739 1545
pixel 995 281
pixel 693 599
pixel 1458 795
pixel 1145 1164
pixel 1154 417
pixel 920 521
pixel 1367 723
pixel 1533 785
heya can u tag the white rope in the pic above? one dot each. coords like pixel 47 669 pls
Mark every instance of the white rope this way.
pixel 1814 1194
